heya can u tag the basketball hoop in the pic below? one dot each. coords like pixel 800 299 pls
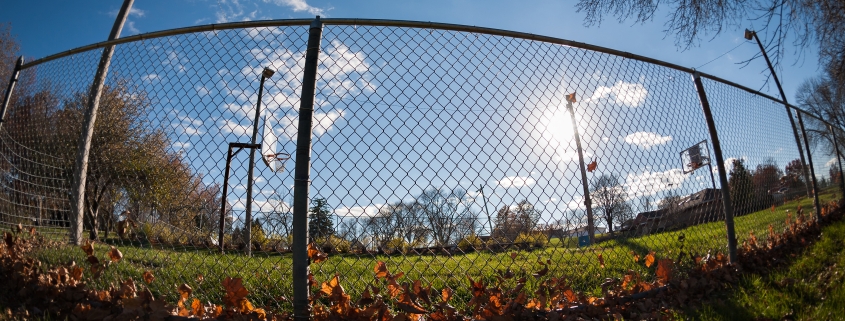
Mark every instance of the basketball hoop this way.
pixel 276 162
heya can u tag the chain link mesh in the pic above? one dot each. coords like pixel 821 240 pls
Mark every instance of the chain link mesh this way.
pixel 442 153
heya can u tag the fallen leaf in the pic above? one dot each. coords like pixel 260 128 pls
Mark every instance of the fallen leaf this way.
pixel 601 260
pixel 115 255
pixel 200 278
pixel 235 291
pixel 184 291
pixel 649 259
pixel 148 277
pixel 664 270
pixel 381 270
pixel 513 255
pixel 315 254
pixel 88 248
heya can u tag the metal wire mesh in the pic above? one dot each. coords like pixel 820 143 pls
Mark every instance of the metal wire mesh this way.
pixel 444 153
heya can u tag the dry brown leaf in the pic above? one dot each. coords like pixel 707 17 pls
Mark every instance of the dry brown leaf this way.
pixel 200 278
pixel 196 308
pixel 664 270
pixel 601 260
pixel 514 255
pixel 184 292
pixel 88 248
pixel 115 255
pixel 649 259
pixel 148 277
pixel 446 295
pixel 591 167
pixel 381 270
pixel 315 254
pixel 235 291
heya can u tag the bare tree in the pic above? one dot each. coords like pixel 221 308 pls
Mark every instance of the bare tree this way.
pixel 610 200
pixel 512 221
pixel 785 23
pixel 448 214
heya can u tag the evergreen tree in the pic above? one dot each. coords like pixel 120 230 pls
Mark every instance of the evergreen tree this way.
pixel 741 187
pixel 320 226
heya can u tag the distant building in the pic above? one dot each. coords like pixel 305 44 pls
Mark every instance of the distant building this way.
pixel 701 207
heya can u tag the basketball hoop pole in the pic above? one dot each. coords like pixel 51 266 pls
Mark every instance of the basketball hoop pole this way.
pixel 267 73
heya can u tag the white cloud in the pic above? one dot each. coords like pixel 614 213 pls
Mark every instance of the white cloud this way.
pixel 188 125
pixel 323 123
pixel 623 93
pixel 647 139
pixel 201 90
pixel 150 77
pixel 181 145
pixel 228 126
pixel 831 162
pixel 650 183
pixel 516 181
pixel 130 26
pixel 298 6
pixel 577 203
pixel 132 12
pixel 358 211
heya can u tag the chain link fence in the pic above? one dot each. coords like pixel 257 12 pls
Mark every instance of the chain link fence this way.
pixel 442 150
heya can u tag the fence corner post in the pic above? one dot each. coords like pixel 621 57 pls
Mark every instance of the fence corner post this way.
pixel 302 174
pixel 8 96
pixel 813 181
pixel 80 168
pixel 720 165
pixel 838 160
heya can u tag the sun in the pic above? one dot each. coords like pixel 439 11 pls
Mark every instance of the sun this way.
pixel 559 127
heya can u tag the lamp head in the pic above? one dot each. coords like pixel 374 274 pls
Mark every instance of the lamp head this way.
pixel 267 73
pixel 749 34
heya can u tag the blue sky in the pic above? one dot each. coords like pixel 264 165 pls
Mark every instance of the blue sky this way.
pixel 47 27
pixel 491 113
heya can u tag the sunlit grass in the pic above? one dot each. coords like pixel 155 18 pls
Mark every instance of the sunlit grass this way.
pixel 268 275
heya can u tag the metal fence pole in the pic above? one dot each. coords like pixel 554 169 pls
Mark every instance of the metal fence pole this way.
pixel 80 169
pixel 302 174
pixel 588 204
pixel 223 200
pixel 267 73
pixel 727 203
pixel 838 159
pixel 814 182
pixel 748 35
pixel 8 97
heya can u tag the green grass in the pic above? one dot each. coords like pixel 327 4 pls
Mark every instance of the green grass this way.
pixel 810 287
pixel 268 276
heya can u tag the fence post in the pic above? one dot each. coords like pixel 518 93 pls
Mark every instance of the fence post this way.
pixel 720 165
pixel 814 183
pixel 224 201
pixel 302 174
pixel 588 204
pixel 838 159
pixel 6 98
pixel 80 169
pixel 748 35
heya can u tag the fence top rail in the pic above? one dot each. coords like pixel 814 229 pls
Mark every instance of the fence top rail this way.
pixel 397 23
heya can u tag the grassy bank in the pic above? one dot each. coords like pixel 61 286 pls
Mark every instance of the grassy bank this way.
pixel 268 276
pixel 810 286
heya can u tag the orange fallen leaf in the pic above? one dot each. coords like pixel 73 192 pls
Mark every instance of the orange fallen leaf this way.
pixel 184 292
pixel 115 255
pixel 381 270
pixel 601 260
pixel 315 254
pixel 235 291
pixel 446 294
pixel 148 277
pixel 649 259
pixel 664 270
pixel 88 248
pixel 592 166
pixel 196 308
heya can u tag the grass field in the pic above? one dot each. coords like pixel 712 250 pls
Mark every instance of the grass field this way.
pixel 809 287
pixel 268 276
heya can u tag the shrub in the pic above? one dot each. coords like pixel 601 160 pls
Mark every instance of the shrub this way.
pixel 470 243
pixel 334 244
pixel 396 245
pixel 536 239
